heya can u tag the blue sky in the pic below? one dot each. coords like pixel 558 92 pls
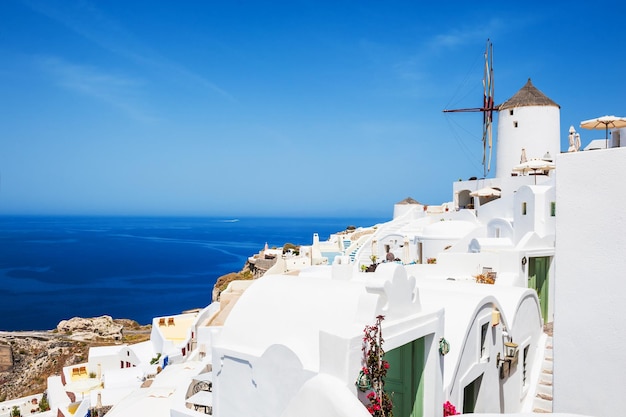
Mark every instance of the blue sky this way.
pixel 276 108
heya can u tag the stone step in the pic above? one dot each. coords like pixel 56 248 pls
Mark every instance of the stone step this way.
pixel 544 390
pixel 542 404
pixel 547 397
pixel 548 354
pixel 547 366
pixel 545 379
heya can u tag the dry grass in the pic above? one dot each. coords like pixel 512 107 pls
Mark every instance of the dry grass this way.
pixel 485 278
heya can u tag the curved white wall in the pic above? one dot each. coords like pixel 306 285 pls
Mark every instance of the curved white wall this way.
pixel 534 128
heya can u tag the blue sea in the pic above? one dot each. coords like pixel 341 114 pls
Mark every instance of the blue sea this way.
pixel 56 268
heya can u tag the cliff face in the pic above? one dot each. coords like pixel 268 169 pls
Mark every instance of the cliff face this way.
pixel 6 358
pixel 28 358
pixel 89 329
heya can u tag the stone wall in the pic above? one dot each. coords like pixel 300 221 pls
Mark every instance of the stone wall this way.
pixel 6 358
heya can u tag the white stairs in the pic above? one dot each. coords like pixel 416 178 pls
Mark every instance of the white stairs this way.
pixel 543 398
pixel 364 252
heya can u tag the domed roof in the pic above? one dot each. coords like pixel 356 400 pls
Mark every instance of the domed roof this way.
pixel 528 95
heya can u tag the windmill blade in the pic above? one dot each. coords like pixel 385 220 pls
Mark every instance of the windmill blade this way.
pixel 487 108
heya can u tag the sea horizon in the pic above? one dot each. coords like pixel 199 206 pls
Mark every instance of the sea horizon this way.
pixel 55 267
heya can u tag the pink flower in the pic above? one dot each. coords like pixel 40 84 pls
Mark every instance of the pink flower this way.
pixel 385 364
pixel 449 409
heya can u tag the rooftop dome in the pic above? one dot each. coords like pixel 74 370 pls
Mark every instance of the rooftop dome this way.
pixel 528 95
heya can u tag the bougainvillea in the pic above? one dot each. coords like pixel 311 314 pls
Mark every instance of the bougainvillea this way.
pixel 375 368
pixel 449 409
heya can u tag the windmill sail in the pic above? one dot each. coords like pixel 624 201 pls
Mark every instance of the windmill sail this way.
pixel 487 109
pixel 488 106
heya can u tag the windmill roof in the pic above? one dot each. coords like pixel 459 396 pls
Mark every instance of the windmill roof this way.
pixel 528 95
pixel 408 200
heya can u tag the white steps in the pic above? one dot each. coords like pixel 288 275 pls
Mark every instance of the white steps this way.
pixel 543 398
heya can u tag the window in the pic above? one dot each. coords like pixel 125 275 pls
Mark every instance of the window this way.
pixel 553 208
pixel 524 208
pixel 511 112
pixel 515 123
pixel 470 395
pixel 497 232
pixel 524 362
pixel 484 353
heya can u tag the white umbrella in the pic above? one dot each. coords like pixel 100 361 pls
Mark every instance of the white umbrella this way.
pixel 534 165
pixel 523 158
pixel 574 140
pixel 486 192
pixel 604 122
pixel 82 385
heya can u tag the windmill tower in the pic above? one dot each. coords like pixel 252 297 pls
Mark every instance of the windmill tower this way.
pixel 528 121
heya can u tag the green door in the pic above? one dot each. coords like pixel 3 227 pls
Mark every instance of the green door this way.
pixel 405 379
pixel 538 280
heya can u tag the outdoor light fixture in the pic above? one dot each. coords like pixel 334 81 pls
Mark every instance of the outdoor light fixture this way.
pixel 510 359
pixel 511 350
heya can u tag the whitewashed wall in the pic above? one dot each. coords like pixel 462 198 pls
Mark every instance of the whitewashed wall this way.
pixel 589 326
pixel 534 128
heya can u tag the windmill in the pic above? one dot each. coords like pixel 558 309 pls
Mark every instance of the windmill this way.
pixel 487 109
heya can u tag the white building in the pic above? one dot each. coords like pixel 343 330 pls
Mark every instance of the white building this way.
pixel 589 329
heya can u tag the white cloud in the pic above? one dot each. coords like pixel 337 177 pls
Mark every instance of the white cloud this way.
pixel 117 90
pixel 92 24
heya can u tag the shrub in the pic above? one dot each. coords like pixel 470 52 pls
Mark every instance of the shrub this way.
pixel 290 246
pixel 44 405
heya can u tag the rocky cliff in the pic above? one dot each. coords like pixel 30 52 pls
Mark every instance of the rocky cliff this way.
pixel 28 358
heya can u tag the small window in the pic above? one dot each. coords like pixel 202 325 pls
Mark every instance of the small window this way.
pixel 515 123
pixel 524 208
pixel 483 341
pixel 497 232
pixel 511 112
pixel 524 368
pixel 553 208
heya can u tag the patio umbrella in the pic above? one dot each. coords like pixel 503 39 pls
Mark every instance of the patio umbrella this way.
pixel 486 192
pixel 604 122
pixel 523 158
pixel 534 165
pixel 82 386
pixel 574 140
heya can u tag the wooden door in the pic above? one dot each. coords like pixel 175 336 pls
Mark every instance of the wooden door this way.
pixel 405 379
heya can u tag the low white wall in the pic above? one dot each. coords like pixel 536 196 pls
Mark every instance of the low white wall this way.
pixel 589 326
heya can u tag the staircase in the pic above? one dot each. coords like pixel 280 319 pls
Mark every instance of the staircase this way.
pixel 543 398
pixel 364 252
